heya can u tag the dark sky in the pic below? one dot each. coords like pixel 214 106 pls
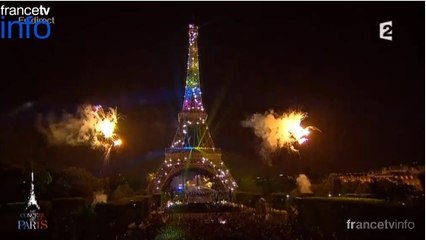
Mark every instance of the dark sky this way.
pixel 365 94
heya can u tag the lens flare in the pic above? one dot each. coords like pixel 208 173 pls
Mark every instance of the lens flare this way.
pixel 118 142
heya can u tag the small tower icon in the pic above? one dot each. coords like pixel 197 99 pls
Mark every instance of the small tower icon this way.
pixel 32 199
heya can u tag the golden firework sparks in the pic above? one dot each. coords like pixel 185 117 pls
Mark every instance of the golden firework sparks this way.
pixel 118 142
pixel 105 125
pixel 279 131
pixel 107 128
pixel 290 131
pixel 92 125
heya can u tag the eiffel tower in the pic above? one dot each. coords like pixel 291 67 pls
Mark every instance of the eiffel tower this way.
pixel 32 201
pixel 192 147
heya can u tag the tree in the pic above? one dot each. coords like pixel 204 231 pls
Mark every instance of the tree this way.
pixel 76 182
pixel 122 191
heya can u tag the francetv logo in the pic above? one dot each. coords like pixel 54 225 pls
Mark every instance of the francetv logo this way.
pixel 25 22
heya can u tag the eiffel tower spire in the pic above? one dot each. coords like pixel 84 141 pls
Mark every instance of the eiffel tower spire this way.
pixel 192 99
pixel 192 131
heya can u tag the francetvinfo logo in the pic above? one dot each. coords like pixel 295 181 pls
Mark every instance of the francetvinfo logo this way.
pixel 25 22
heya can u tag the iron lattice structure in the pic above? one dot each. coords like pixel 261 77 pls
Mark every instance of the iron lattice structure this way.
pixel 192 146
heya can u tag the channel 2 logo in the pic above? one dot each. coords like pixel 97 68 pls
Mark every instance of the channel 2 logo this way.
pixel 386 30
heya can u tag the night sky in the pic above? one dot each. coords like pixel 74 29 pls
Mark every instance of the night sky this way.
pixel 364 93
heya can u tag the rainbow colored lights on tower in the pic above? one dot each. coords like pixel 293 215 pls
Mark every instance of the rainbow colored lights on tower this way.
pixel 192 99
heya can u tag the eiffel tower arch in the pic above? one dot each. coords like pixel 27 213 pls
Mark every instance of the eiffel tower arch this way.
pixel 192 147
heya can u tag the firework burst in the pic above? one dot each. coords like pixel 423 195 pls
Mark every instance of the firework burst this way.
pixel 279 131
pixel 91 125
pixel 103 125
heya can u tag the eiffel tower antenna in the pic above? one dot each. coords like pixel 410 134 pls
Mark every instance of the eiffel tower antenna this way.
pixel 192 146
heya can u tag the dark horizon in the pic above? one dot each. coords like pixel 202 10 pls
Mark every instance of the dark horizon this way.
pixel 364 93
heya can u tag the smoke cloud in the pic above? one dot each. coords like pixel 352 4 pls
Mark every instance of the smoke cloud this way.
pixel 85 127
pixel 303 183
pixel 99 197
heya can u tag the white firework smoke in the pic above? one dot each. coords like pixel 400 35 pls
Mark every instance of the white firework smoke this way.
pixel 91 125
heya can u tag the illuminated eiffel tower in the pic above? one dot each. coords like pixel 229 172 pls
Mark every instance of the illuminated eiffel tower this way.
pixel 192 147
pixel 32 201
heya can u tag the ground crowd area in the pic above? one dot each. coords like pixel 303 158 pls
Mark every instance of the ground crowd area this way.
pixel 235 225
